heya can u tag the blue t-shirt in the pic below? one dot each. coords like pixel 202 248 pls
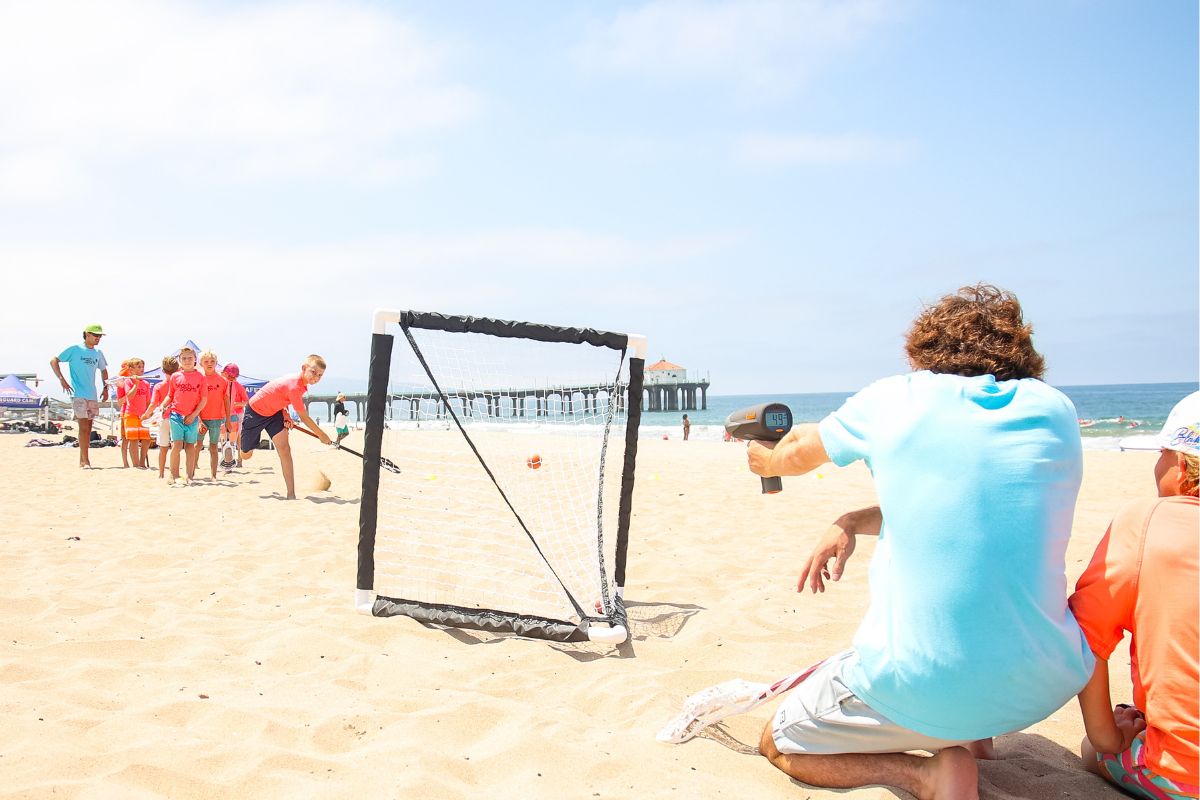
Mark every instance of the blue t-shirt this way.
pixel 84 363
pixel 968 634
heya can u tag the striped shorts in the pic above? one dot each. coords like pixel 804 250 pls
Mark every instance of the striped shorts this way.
pixel 1129 771
pixel 135 430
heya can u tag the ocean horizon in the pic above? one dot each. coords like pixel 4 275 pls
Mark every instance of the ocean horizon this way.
pixel 1107 413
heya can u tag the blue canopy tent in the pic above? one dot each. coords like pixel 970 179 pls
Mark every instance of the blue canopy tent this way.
pixel 16 394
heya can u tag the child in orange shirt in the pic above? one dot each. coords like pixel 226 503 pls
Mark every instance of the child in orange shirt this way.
pixel 136 393
pixel 1145 578
pixel 237 408
pixel 267 411
pixel 215 416
pixel 185 401
pixel 170 365
pixel 119 383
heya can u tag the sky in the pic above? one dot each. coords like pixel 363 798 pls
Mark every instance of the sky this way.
pixel 769 190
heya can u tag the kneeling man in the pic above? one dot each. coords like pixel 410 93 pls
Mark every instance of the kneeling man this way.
pixel 977 464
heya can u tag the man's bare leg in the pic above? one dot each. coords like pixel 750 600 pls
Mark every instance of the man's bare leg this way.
pixel 284 448
pixel 85 440
pixel 950 775
pixel 212 459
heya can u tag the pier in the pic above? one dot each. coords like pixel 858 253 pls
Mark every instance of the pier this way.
pixel 666 387
pixel 519 403
pixel 675 396
pixel 481 403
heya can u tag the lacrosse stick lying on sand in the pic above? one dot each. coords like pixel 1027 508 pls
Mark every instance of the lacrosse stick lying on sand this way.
pixel 711 705
pixel 385 463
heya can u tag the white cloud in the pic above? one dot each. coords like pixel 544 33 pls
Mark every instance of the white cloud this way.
pixel 227 92
pixel 764 47
pixel 809 149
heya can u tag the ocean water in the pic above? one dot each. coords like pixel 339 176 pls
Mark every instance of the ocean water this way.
pixel 1107 413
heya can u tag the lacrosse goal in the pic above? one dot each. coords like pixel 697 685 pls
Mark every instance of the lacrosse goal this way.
pixel 511 449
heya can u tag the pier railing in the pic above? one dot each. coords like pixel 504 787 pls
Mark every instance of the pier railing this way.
pixel 510 403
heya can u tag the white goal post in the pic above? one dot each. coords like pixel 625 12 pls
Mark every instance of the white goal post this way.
pixel 511 449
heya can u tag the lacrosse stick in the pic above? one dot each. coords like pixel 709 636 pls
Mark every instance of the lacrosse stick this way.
pixel 711 705
pixel 385 463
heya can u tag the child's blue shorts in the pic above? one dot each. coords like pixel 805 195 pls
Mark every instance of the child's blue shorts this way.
pixel 182 432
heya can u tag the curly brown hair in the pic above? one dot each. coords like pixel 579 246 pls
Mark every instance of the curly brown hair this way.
pixel 978 330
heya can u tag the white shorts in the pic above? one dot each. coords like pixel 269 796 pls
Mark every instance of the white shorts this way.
pixel 85 408
pixel 822 716
pixel 163 439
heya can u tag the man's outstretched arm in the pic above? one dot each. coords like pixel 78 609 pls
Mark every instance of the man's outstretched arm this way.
pixel 798 452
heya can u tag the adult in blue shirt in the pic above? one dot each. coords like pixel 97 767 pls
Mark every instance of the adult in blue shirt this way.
pixel 84 361
pixel 977 465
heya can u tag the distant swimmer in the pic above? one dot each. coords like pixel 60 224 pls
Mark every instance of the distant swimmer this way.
pixel 1134 424
pixel 1086 423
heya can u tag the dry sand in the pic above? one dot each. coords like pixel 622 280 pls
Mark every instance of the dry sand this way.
pixel 200 642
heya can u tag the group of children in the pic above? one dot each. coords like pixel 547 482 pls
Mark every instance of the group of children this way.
pixel 195 405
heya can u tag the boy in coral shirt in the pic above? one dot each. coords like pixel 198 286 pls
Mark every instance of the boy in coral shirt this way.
pixel 215 416
pixel 267 411
pixel 185 401
pixel 136 393
pixel 158 399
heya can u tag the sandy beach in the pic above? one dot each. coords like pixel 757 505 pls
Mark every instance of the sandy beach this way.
pixel 200 642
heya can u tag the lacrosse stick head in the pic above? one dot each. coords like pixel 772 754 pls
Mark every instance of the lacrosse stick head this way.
pixel 712 705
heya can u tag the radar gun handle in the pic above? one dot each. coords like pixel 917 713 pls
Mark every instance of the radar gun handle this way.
pixel 772 485
pixel 766 422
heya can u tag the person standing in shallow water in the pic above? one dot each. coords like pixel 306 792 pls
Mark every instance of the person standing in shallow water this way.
pixel 84 362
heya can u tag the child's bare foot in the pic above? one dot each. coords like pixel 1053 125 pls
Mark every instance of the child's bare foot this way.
pixel 950 775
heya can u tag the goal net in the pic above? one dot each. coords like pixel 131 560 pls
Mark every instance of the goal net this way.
pixel 498 475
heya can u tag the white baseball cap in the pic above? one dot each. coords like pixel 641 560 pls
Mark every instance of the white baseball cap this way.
pixel 1181 431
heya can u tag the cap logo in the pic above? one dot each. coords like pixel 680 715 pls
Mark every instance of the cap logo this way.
pixel 1185 436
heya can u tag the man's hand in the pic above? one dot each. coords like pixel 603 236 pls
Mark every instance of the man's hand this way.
pixel 324 437
pixel 758 457
pixel 838 544
pixel 104 394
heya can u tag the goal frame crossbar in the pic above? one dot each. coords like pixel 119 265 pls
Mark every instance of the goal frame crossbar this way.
pixel 614 627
